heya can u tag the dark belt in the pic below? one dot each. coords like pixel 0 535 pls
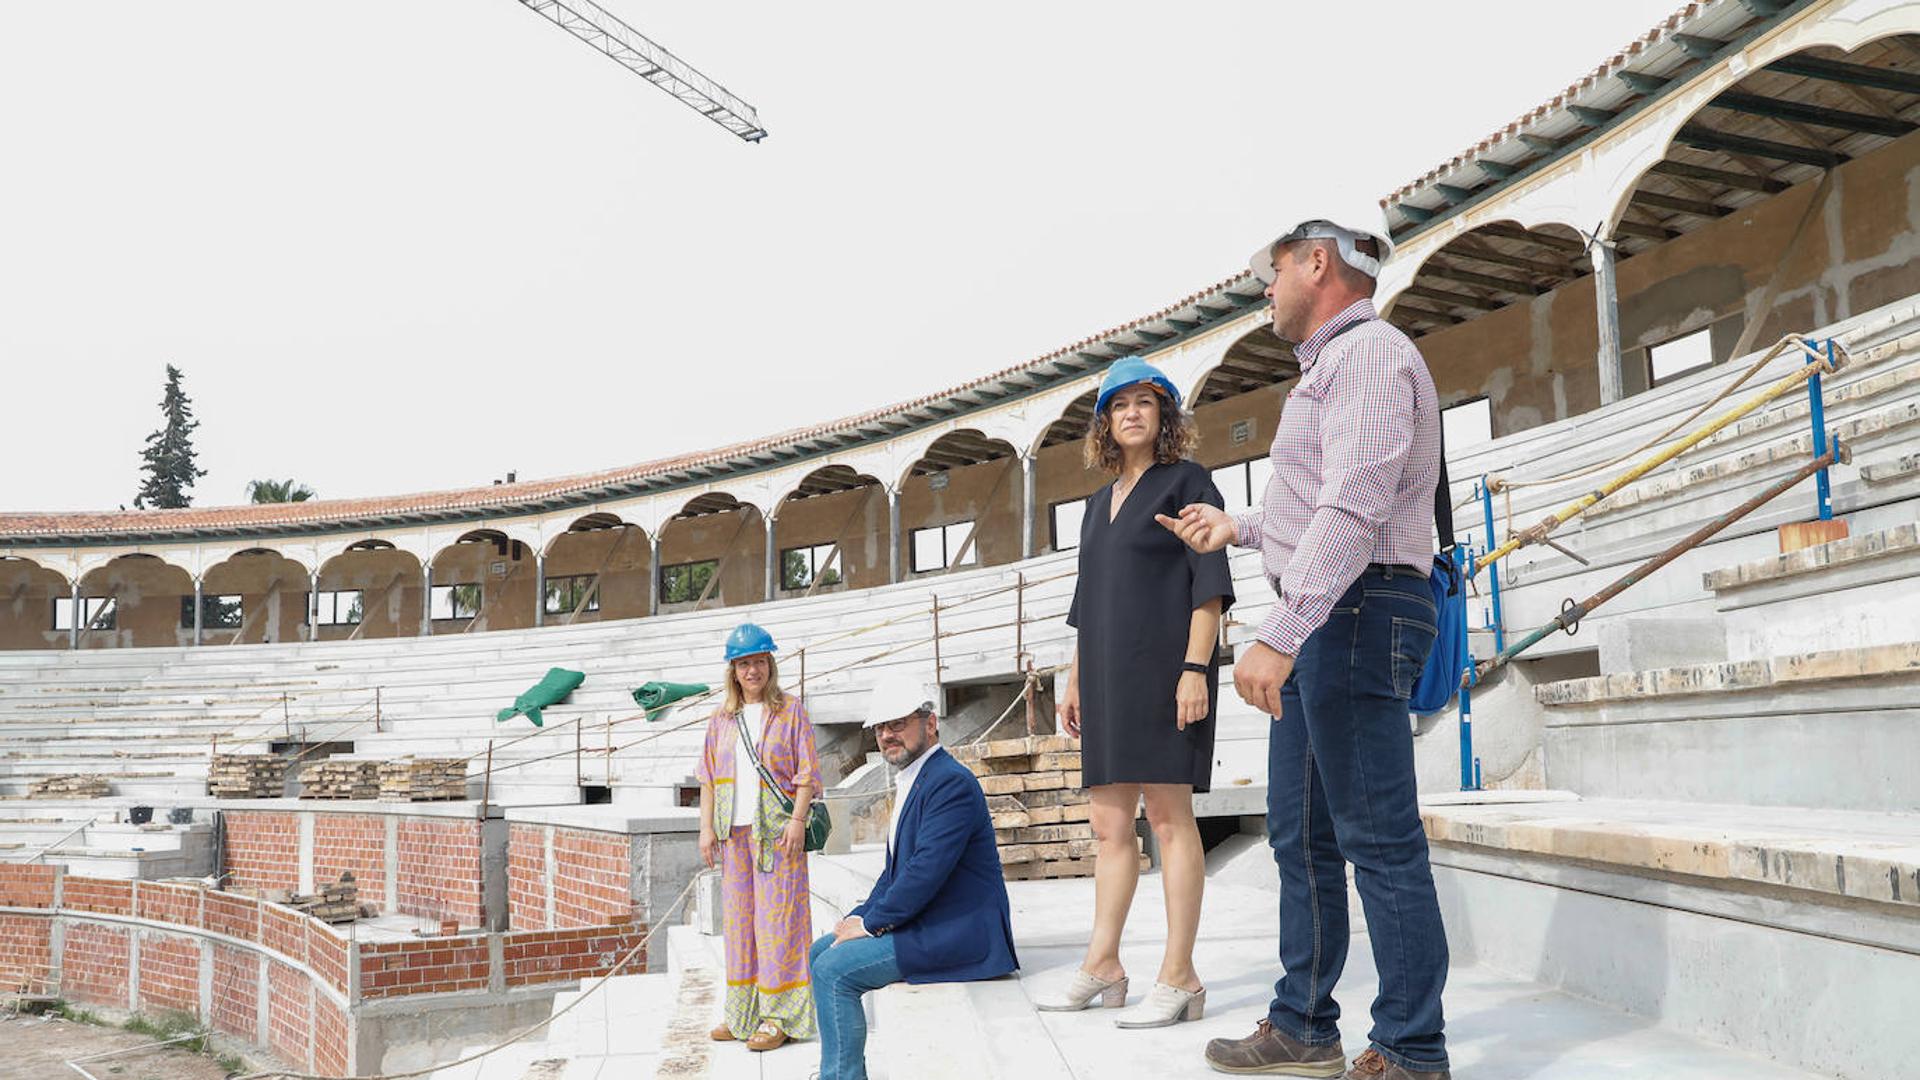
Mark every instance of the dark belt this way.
pixel 1391 570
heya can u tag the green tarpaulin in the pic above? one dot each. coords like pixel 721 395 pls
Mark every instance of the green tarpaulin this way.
pixel 655 696
pixel 550 690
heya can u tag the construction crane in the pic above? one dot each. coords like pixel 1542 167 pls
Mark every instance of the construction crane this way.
pixel 638 53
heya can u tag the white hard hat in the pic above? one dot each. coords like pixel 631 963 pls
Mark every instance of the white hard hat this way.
pixel 896 696
pixel 1344 226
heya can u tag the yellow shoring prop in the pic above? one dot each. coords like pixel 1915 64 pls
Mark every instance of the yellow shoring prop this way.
pixel 1560 517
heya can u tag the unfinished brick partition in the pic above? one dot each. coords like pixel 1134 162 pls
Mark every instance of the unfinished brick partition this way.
pixel 261 972
pixel 410 864
pixel 562 878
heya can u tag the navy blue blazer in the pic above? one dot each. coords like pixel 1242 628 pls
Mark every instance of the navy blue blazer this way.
pixel 941 895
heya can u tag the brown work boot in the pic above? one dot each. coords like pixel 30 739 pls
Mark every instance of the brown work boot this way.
pixel 1272 1053
pixel 1371 1066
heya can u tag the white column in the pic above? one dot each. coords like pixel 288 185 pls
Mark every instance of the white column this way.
pixel 893 535
pixel 199 607
pixel 1606 296
pixel 773 560
pixel 73 631
pixel 539 588
pixel 313 606
pixel 426 600
pixel 1027 505
pixel 653 568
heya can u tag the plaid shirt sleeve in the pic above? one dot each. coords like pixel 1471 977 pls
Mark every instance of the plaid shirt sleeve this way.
pixel 1366 436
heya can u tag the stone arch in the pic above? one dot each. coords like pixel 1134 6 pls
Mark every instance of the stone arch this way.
pixel 29 595
pixel 252 596
pixel 599 568
pixel 136 600
pixel 484 580
pixel 713 553
pixel 831 530
pixel 965 492
pixel 369 588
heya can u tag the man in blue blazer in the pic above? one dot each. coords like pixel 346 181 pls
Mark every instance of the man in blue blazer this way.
pixel 939 911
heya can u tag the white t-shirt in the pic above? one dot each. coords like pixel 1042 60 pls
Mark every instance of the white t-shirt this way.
pixel 746 779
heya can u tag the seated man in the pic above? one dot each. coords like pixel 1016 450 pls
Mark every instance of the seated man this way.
pixel 939 912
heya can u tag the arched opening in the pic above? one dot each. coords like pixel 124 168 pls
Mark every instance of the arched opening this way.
pixel 712 554
pixel 1062 480
pixel 960 504
pixel 831 532
pixel 1780 206
pixel 252 597
pixel 485 580
pixel 370 590
pixel 601 568
pixel 1505 314
pixel 135 601
pixel 30 595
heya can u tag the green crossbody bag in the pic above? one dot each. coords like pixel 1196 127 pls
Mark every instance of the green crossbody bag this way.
pixel 818 823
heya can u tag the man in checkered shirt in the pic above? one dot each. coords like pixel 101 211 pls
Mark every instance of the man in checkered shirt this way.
pixel 1345 533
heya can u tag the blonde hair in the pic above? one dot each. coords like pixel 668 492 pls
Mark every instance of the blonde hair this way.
pixel 775 698
pixel 1177 437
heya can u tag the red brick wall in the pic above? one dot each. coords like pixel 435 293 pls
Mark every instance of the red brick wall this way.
pixel 94 964
pixel 526 877
pixel 289 1021
pixel 26 950
pixel 98 894
pixel 557 955
pixel 26 886
pixel 169 973
pixel 236 992
pixel 439 875
pixel 593 878
pixel 234 916
pixel 356 843
pixel 179 904
pixel 284 931
pixel 327 955
pixel 435 965
pixel 262 850
pixel 329 1037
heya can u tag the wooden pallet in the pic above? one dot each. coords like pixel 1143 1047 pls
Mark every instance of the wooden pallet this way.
pixel 70 786
pixel 336 903
pixel 423 780
pixel 247 776
pixel 336 779
pixel 1040 812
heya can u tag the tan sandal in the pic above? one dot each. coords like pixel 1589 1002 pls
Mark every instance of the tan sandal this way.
pixel 767 1036
pixel 723 1033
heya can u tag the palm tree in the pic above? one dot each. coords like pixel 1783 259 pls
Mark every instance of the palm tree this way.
pixel 278 491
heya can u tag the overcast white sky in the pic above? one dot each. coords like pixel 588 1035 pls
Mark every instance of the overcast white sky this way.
pixel 400 245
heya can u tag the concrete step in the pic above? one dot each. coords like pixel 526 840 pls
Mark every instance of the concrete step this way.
pixel 1773 931
pixel 1836 729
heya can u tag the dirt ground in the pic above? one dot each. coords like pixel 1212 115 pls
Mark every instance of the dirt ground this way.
pixel 36 1048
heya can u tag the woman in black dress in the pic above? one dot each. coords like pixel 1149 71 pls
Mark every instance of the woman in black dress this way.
pixel 1142 692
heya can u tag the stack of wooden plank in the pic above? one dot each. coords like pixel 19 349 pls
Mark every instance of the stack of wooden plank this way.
pixel 336 903
pixel 1039 808
pixel 340 779
pixel 423 779
pixel 247 776
pixel 70 786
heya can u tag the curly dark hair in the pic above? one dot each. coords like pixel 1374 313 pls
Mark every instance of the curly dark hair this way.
pixel 1177 438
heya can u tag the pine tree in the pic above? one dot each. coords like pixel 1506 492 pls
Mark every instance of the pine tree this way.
pixel 169 454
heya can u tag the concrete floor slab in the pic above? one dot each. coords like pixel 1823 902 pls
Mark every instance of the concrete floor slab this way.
pixel 1500 1027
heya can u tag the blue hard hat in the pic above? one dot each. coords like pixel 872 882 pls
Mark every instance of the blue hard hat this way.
pixel 747 639
pixel 1132 371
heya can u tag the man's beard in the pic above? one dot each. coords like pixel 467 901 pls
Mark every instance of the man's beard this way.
pixel 911 755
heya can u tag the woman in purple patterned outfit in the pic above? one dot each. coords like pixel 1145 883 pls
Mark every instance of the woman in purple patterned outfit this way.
pixel 760 847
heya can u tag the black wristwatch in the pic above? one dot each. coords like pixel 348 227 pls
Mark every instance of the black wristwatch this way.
pixel 1197 669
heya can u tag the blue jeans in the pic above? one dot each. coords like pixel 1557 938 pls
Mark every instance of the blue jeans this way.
pixel 1340 788
pixel 841 974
